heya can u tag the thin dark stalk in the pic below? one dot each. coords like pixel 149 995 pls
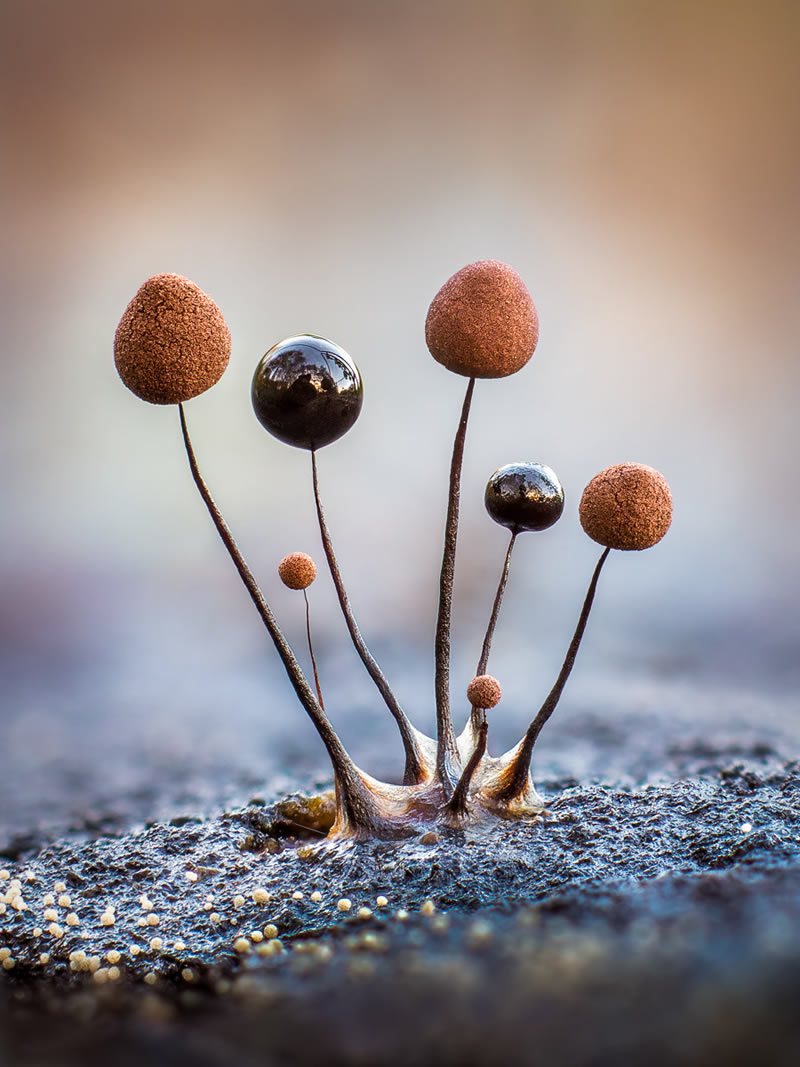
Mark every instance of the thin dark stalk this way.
pixel 458 802
pixel 359 808
pixel 446 750
pixel 414 764
pixel 311 652
pixel 518 772
pixel 483 663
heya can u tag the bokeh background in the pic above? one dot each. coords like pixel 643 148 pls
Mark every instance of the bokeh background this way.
pixel 324 167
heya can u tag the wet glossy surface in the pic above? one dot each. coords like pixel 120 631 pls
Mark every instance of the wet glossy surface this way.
pixel 524 496
pixel 307 391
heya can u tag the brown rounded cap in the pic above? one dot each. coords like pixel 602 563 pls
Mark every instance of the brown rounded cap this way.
pixel 628 507
pixel 297 570
pixel 172 343
pixel 482 323
pixel 484 691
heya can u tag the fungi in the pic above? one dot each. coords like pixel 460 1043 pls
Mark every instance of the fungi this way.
pixel 484 692
pixel 524 496
pixel 164 370
pixel 298 571
pixel 519 496
pixel 481 324
pixel 627 507
pixel 307 392
pixel 172 344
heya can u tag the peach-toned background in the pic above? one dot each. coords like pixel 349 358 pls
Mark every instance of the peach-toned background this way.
pixel 325 167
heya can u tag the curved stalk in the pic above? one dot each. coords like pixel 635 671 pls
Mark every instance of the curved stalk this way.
pixel 457 805
pixel 357 806
pixel 311 652
pixel 414 768
pixel 483 662
pixel 516 777
pixel 446 750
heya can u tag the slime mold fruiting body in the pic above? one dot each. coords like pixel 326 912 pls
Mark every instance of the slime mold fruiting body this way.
pixel 298 571
pixel 172 344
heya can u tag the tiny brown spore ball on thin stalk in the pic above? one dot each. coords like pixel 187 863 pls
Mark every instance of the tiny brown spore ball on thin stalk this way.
pixel 172 342
pixel 483 323
pixel 627 507
pixel 484 692
pixel 297 570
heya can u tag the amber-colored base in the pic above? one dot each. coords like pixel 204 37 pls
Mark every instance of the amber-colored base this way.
pixel 398 811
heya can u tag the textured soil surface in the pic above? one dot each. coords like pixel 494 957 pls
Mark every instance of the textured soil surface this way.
pixel 656 924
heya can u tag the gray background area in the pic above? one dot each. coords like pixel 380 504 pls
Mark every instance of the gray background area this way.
pixel 325 169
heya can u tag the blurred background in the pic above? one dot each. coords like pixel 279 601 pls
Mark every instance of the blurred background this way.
pixel 325 167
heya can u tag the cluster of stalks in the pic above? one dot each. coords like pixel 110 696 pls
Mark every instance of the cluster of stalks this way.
pixel 172 344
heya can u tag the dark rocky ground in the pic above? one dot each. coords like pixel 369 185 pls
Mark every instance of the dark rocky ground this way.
pixel 652 917
pixel 657 923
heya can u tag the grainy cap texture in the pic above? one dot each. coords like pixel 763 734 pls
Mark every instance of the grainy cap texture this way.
pixel 172 342
pixel 297 570
pixel 482 323
pixel 484 691
pixel 628 506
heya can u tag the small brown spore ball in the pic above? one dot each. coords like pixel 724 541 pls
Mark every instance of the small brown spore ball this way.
pixel 172 342
pixel 297 570
pixel 484 691
pixel 628 507
pixel 482 323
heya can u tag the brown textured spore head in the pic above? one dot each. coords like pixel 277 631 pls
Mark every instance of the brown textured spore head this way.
pixel 482 323
pixel 484 691
pixel 172 342
pixel 628 506
pixel 297 570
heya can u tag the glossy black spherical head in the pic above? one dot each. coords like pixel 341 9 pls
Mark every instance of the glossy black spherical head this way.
pixel 524 496
pixel 307 391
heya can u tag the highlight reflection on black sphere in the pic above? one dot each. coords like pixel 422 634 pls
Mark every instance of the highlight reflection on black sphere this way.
pixel 524 496
pixel 307 391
